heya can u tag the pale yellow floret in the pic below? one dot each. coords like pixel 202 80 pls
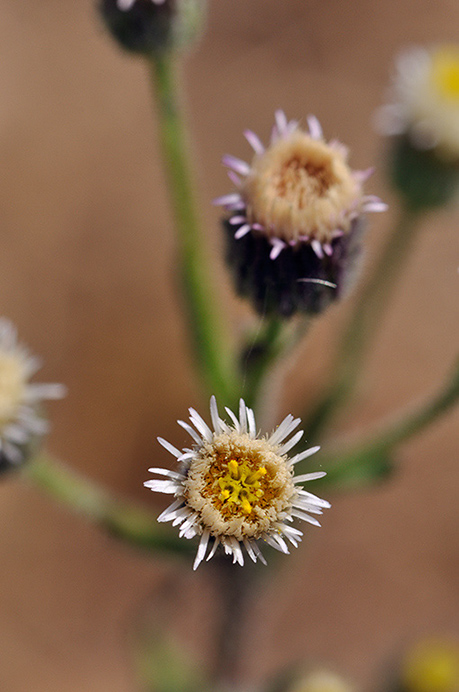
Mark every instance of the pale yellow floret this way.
pixel 13 383
pixel 445 72
pixel 301 187
pixel 239 486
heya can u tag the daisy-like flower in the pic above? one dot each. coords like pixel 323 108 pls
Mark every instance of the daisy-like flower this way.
pixel 21 423
pixel 298 204
pixel 236 489
pixel 422 119
pixel 425 100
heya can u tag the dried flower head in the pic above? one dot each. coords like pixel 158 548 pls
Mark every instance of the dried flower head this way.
pixel 235 488
pixel 298 203
pixel 21 424
pixel 425 100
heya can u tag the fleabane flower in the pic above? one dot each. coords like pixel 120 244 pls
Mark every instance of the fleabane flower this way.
pixel 422 119
pixel 236 489
pixel 299 205
pixel 21 422
pixel 425 99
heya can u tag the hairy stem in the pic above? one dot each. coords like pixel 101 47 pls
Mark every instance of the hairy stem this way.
pixel 369 460
pixel 363 324
pixel 119 517
pixel 210 342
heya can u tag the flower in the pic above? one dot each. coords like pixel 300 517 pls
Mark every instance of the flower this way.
pixel 432 665
pixel 321 680
pixel 425 100
pixel 422 119
pixel 21 424
pixel 235 488
pixel 298 204
pixel 150 27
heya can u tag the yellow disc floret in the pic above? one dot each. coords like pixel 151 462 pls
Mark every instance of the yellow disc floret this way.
pixel 445 72
pixel 239 485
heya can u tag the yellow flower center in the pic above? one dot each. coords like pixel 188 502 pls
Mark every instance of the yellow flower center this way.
pixel 241 486
pixel 238 485
pixel 445 72
pixel 13 382
pixel 301 187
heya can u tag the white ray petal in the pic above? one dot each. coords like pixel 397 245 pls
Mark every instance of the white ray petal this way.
pixel 251 422
pixel 200 425
pixel 216 422
pixel 236 423
pixel 287 446
pixel 287 426
pixel 200 555
pixel 214 548
pixel 170 448
pixel 310 476
pixel 167 472
pixel 191 431
pixel 305 517
pixel 167 487
pixel 304 455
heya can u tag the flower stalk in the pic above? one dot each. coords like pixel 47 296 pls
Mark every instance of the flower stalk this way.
pixel 364 323
pixel 212 346
pixel 372 459
pixel 121 518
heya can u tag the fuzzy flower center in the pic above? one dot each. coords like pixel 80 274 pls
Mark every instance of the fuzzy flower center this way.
pixel 445 72
pixel 239 485
pixel 12 387
pixel 301 187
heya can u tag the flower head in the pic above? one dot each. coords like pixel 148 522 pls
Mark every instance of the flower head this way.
pixel 21 424
pixel 425 100
pixel 152 26
pixel 235 488
pixel 298 204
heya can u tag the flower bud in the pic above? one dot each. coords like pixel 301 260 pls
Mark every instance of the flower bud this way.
pixel 154 26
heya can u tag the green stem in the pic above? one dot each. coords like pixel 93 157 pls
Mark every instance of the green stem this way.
pixel 367 461
pixel 263 350
pixel 364 323
pixel 210 342
pixel 123 519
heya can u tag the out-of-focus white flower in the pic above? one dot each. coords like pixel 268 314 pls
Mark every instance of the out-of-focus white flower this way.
pixel 424 103
pixel 21 421
pixel 235 488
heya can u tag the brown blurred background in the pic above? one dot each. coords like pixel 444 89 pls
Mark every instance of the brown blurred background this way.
pixel 87 273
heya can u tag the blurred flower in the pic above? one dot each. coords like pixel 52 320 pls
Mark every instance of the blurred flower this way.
pixel 21 424
pixel 431 666
pixel 151 26
pixel 423 118
pixel 426 100
pixel 295 217
pixel 321 681
pixel 234 488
